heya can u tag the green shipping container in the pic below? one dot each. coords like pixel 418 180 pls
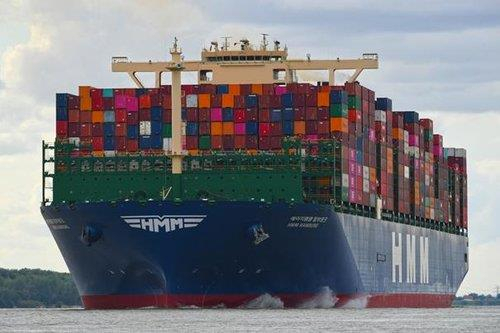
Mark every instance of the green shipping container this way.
pixel 167 130
pixel 338 110
pixel 354 102
pixel 107 92
pixel 204 142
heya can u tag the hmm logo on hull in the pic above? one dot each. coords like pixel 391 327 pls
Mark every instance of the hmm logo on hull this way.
pixel 415 249
pixel 165 223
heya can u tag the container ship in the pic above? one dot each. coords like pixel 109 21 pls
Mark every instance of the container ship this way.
pixel 252 184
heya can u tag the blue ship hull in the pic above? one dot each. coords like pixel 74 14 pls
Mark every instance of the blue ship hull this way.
pixel 163 254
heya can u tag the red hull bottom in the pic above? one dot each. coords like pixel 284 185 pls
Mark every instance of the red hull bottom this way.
pixel 402 300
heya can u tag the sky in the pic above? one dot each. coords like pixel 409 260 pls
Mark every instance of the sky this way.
pixel 438 58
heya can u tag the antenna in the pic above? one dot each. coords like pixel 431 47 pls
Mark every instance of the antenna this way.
pixel 264 41
pixel 226 43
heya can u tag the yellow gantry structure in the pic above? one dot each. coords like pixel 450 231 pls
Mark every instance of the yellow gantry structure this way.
pixel 225 65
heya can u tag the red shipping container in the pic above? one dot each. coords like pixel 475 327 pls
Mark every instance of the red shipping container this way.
pixel 97 143
pixel 311 127
pixel 251 114
pixel 216 142
pixel 132 145
pixel 312 99
pixel 245 89
pixel 74 116
pixel 311 113
pixel 191 142
pixel 97 104
pixel 97 129
pixel 121 115
pixel 265 101
pixel 275 142
pixel 192 115
pixel 204 114
pixel 353 88
pixel 275 129
pixel 216 101
pixel 204 128
pixel 264 143
pixel 251 141
pixel 73 102
pixel 85 116
pixel 264 115
pixel 145 114
pixel 108 103
pixel 95 93
pixel 167 101
pixel 299 100
pixel 132 117
pixel 299 113
pixel 239 141
pixel 121 143
pixel 323 113
pixel 239 101
pixel 275 102
pixel 62 128
pixel 144 101
pixel 156 99
pixel 323 127
pixel 73 129
pixel 167 116
pixel 264 129
pixel 239 115
pixel 268 89
pixel 85 129
pixel 228 142
pixel 121 129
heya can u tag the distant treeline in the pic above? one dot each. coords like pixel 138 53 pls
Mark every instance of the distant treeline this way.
pixel 477 300
pixel 30 288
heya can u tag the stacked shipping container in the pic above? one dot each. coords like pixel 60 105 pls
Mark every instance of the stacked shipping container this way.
pixel 386 155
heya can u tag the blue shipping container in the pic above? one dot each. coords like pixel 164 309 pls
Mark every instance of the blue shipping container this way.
pixel 132 131
pixel 156 127
pixel 109 116
pixel 338 97
pixel 227 114
pixel 192 129
pixel 222 89
pixel 251 101
pixel 62 114
pixel 109 143
pixel 410 117
pixel 287 100
pixel 383 103
pixel 61 100
pixel 156 113
pixel 140 91
pixel 145 142
pixel 275 115
pixel 251 128
pixel 287 114
pixel 109 129
pixel 184 114
pixel 156 142
pixel 287 127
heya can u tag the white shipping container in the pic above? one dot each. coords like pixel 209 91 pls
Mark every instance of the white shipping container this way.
pixel 109 153
pixel 366 185
pixel 427 180
pixel 460 152
pixel 167 144
pixel 381 115
pixel 145 128
pixel 74 141
pixel 366 172
pixel 345 180
pixel 407 172
pixel 406 136
pixel 192 101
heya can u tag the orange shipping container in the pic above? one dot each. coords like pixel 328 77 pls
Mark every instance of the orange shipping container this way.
pixel 299 127
pixel 257 89
pixel 228 128
pixel 204 100
pixel 323 99
pixel 216 128
pixel 85 103
pixel 234 89
pixel 193 152
pixel 339 125
pixel 373 174
pixel 84 91
pixel 97 116
pixel 227 101
pixel 398 133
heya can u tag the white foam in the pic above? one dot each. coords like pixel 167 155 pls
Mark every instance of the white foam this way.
pixel 359 302
pixel 324 299
pixel 264 301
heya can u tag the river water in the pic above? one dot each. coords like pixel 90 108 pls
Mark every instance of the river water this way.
pixel 467 319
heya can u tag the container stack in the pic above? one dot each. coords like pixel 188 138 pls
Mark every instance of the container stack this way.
pixel 379 154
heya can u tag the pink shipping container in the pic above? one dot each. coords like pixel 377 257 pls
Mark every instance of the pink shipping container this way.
pixel 240 128
pixel 216 114
pixel 120 102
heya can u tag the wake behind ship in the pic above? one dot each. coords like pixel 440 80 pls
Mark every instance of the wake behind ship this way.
pixel 250 185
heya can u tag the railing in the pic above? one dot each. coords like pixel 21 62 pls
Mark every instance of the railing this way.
pixel 48 170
